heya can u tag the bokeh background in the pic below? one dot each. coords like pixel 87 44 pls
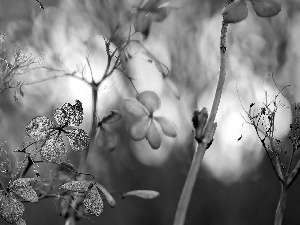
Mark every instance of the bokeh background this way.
pixel 236 184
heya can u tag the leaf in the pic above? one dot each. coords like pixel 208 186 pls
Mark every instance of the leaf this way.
pixel 150 100
pixel 79 140
pixel 23 188
pixel 69 115
pixel 146 194
pixel 93 202
pixel 139 129
pixel 11 210
pixel 108 196
pixel 135 108
pixel 168 127
pixel 77 186
pixel 153 136
pixel 107 139
pixel 114 116
pixel 39 127
pixel 54 149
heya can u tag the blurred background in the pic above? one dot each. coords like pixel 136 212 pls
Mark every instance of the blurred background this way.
pixel 236 184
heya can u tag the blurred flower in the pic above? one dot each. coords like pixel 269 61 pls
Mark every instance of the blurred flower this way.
pixel 143 107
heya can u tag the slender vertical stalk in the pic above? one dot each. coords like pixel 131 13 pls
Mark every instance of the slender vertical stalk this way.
pixel 208 133
pixel 281 204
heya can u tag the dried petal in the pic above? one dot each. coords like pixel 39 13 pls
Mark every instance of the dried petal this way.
pixel 77 186
pixel 39 127
pixel 79 140
pixel 54 149
pixel 11 210
pixel 168 127
pixel 139 129
pixel 135 108
pixel 153 136
pixel 93 202
pixel 69 114
pixel 20 222
pixel 23 188
pixel 150 100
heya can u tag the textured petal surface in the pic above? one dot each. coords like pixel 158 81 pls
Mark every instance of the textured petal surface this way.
pixel 69 114
pixel 150 100
pixel 11 210
pixel 77 186
pixel 153 136
pixel 79 140
pixel 93 202
pixel 168 127
pixel 54 149
pixel 23 188
pixel 139 129
pixel 39 127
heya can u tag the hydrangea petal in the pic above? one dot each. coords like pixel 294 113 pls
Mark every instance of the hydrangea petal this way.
pixel 153 136
pixel 139 129
pixel 108 196
pixel 150 100
pixel 107 139
pixel 79 140
pixel 39 127
pixel 168 127
pixel 11 210
pixel 135 108
pixel 54 149
pixel 77 186
pixel 93 202
pixel 23 188
pixel 112 117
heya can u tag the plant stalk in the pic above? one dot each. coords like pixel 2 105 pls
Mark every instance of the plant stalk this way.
pixel 208 133
pixel 281 204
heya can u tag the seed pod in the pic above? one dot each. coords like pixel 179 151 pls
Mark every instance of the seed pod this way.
pixel 235 11
pixel 266 8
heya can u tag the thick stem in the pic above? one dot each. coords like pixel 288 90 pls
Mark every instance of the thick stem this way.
pixel 281 204
pixel 209 130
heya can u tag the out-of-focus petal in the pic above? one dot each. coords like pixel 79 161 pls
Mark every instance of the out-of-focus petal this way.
pixel 168 127
pixel 153 136
pixel 135 108
pixel 150 100
pixel 139 129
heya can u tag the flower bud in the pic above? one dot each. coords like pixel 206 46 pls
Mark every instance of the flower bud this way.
pixel 266 8
pixel 235 11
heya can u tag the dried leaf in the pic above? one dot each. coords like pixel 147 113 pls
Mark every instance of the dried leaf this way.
pixel 108 196
pixel 77 186
pixel 147 194
pixel 93 202
pixel 11 210
pixel 54 149
pixel 168 127
pixel 153 136
pixel 39 127
pixel 79 140
pixel 139 129
pixel 114 116
pixel 135 108
pixel 20 222
pixel 23 188
pixel 150 100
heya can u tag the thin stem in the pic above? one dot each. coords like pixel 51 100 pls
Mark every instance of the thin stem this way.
pixel 209 131
pixel 281 204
